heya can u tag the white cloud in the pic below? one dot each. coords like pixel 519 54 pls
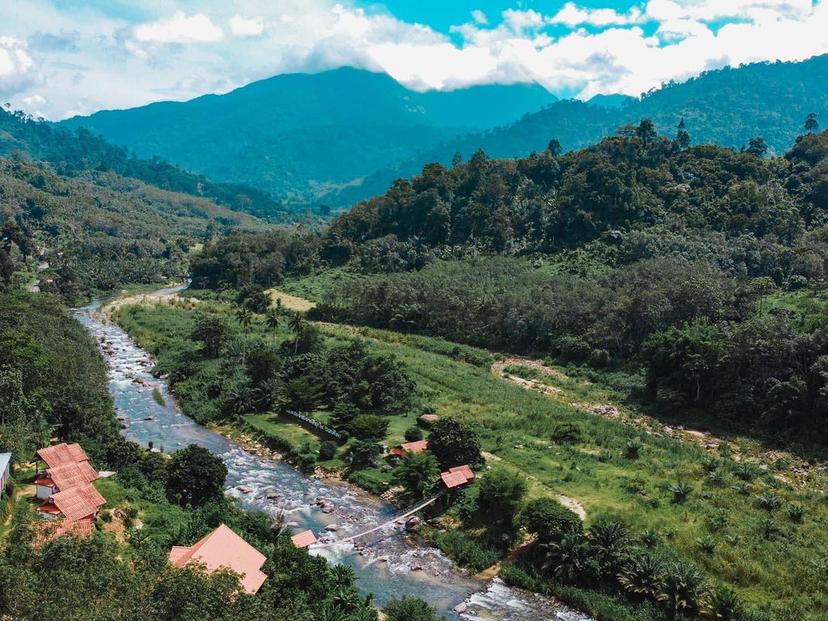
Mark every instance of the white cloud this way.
pixel 16 66
pixel 246 27
pixel 180 28
pixel 479 17
pixel 572 15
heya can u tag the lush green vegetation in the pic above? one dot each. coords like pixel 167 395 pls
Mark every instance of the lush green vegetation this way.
pixel 78 236
pixel 78 153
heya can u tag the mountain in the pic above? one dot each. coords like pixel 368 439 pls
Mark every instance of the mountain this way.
pixel 725 107
pixel 302 134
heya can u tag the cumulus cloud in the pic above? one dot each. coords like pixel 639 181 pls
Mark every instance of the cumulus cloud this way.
pixel 572 15
pixel 479 17
pixel 16 66
pixel 179 28
pixel 246 27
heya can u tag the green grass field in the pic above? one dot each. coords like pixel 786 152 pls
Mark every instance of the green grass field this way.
pixel 563 448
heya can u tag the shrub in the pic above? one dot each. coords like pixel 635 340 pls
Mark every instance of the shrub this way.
pixel 633 448
pixel 549 519
pixel 769 502
pixel 796 512
pixel 567 433
pixel 409 609
pixel 413 434
pixel 453 443
pixel 369 427
pixel 465 551
pixel 746 472
pixel 500 496
pixel 680 491
pixel 327 450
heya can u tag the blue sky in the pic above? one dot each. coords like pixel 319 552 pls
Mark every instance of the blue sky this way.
pixel 59 58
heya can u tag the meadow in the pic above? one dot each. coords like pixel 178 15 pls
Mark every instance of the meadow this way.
pixel 753 519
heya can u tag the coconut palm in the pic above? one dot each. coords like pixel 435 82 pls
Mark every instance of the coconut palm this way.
pixel 567 559
pixel 244 316
pixel 417 473
pixel 273 318
pixel 343 576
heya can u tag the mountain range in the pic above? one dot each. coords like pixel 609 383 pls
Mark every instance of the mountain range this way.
pixel 340 136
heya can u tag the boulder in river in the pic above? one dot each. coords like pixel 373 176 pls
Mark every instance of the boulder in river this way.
pixel 413 523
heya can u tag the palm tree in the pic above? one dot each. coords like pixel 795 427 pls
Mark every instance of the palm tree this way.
pixel 417 473
pixel 567 559
pixel 343 576
pixel 643 576
pixel 610 538
pixel 272 317
pixel 244 316
pixel 297 324
pixel 684 589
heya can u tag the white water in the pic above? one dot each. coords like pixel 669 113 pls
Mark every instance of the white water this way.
pixel 386 563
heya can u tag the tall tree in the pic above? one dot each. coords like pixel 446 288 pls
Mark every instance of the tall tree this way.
pixel 811 123
pixel 682 135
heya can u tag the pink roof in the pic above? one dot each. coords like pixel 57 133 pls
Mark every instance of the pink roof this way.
pixel 457 476
pixel 430 418
pixel 75 503
pixel 62 453
pixel 304 539
pixel 224 549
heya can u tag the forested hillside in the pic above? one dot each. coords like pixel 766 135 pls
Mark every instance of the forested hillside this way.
pixel 96 231
pixel 303 135
pixel 73 153
pixel 726 107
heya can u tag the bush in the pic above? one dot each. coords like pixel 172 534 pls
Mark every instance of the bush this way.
pixel 327 450
pixel 465 551
pixel 567 433
pixel 549 519
pixel 796 512
pixel 500 496
pixel 409 609
pixel 413 434
pixel 369 427
pixel 453 443
pixel 369 481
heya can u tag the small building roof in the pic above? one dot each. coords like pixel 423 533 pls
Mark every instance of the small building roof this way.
pixel 455 477
pixel 429 418
pixel 75 503
pixel 224 549
pixel 304 539
pixel 69 475
pixel 59 454
pixel 5 460
pixel 419 446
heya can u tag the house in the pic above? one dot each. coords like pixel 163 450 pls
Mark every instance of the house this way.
pixel 224 549
pixel 66 466
pixel 457 477
pixel 304 539
pixel 82 502
pixel 46 531
pixel 410 447
pixel 5 469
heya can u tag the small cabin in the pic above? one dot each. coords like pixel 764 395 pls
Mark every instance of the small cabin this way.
pixel 304 539
pixel 66 466
pixel 420 446
pixel 457 476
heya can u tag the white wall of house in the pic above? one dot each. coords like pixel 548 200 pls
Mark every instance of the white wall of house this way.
pixel 44 492
pixel 5 469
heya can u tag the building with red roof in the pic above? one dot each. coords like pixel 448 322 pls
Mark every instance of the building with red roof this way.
pixel 76 503
pixel 66 466
pixel 457 476
pixel 224 549
pixel 420 446
pixel 304 539
pixel 46 531
pixel 429 419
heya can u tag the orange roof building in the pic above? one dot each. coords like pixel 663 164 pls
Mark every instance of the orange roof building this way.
pixel 420 446
pixel 46 531
pixel 457 477
pixel 304 539
pixel 66 466
pixel 224 549
pixel 76 503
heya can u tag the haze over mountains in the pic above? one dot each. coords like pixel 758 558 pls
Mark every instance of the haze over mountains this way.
pixel 341 136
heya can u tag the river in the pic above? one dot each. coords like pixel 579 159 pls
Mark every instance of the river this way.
pixel 389 564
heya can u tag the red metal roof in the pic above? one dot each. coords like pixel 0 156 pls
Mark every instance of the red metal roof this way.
pixel 70 475
pixel 304 539
pixel 75 503
pixel 457 476
pixel 419 446
pixel 59 454
pixel 224 549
